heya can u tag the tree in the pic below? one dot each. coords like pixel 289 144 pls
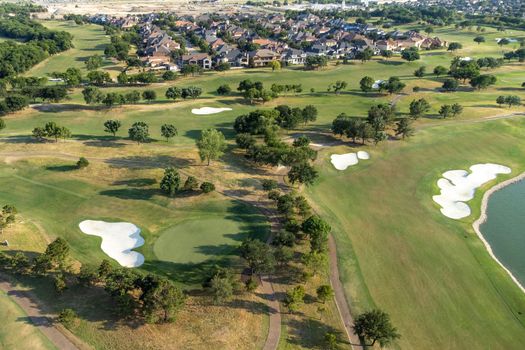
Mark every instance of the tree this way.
pixel 387 53
pixel 303 173
pixel 207 187
pixel 330 340
pixel 445 111
pixel 315 62
pixel 463 70
pixel 454 46
pixel 500 100
pixel 294 298
pixel 365 55
pixel 112 126
pixel 512 100
pixel 161 299
pixel 483 81
pixel 170 181
pixel 440 70
pixel 392 85
pixel 324 292
pixel 404 128
pixel 456 109
pixel 317 230
pixel 375 326
pixel 132 97
pixel 139 132
pixel 57 252
pixel 52 93
pixel 366 84
pixel 211 145
pixel 429 29
pixel 222 287
pixel 149 95
pixel 503 41
pixel 169 75
pixel 418 108
pixel 420 72
pixel 258 255
pixel 2 124
pixel 72 76
pixel 191 92
pixel 113 98
pixel 275 65
pixel 168 131
pixel 173 93
pixel 190 184
pixel 410 54
pixel 96 77
pixel 450 85
pixel 82 163
pixel 479 39
pixel 51 129
pixel 224 89
pixel 93 62
pixel 60 283
pixel 309 114
pixel 67 317
pixel 92 95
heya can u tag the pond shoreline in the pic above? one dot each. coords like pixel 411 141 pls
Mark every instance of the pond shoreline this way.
pixel 483 217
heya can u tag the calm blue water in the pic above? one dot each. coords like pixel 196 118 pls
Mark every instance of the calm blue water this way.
pixel 505 227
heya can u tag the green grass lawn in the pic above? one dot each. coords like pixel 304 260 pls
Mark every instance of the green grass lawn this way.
pixel 17 331
pixel 88 40
pixel 210 236
pixel 397 251
pixel 47 192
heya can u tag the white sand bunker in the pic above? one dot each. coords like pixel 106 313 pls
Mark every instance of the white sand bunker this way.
pixel 209 110
pixel 118 238
pixel 343 161
pixel 458 186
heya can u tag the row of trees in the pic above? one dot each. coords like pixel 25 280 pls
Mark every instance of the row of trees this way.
pixel 171 183
pixel 149 297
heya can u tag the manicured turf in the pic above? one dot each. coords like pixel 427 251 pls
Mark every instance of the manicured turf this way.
pixel 47 192
pixel 17 332
pixel 199 239
pixel 88 40
pixel 399 253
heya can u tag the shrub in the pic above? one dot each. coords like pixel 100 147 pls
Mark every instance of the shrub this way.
pixel 190 184
pixel 251 284
pixel 169 75
pixel 224 89
pixel 207 187
pixel 274 195
pixel 82 163
pixel 269 184
pixel 67 317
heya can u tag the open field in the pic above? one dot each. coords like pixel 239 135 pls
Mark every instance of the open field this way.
pixel 398 252
pixel 17 332
pixel 89 40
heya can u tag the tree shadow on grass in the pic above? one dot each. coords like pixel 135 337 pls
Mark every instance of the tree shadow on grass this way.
pixel 254 307
pixel 61 168
pixel 309 333
pixel 142 182
pixel 153 162
pixel 131 193
pixel 390 63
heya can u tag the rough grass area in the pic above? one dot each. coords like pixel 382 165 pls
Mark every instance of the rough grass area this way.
pixel 17 331
pixel 399 253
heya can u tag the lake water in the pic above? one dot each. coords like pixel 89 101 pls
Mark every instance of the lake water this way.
pixel 504 228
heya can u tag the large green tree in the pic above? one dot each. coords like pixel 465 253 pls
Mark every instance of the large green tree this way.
pixel 375 326
pixel 211 145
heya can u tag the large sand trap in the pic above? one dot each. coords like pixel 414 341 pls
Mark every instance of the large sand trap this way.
pixel 118 238
pixel 343 161
pixel 209 110
pixel 458 187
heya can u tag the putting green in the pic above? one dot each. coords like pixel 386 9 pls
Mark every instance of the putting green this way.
pixel 183 243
